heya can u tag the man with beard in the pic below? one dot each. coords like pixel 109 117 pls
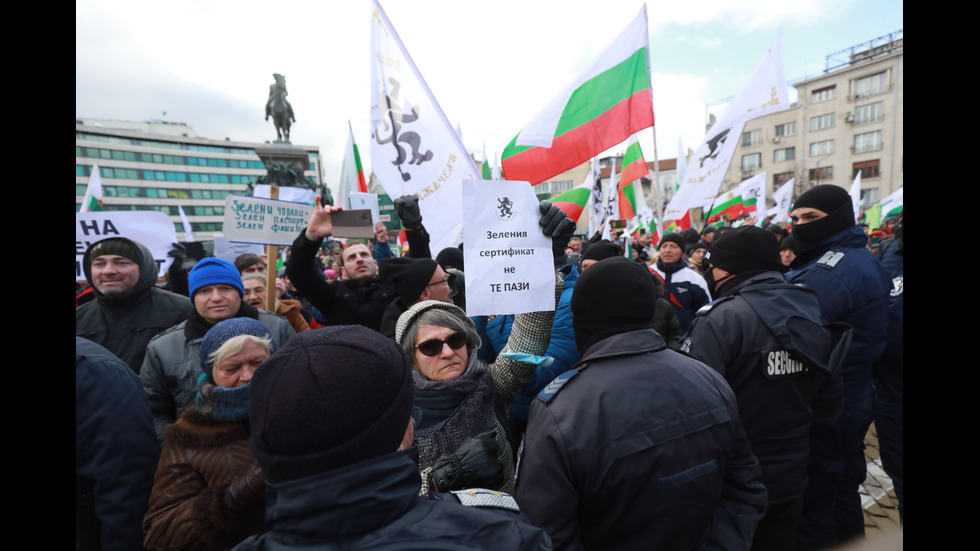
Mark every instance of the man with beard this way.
pixel 128 309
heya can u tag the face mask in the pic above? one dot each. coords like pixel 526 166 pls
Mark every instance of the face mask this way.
pixel 812 233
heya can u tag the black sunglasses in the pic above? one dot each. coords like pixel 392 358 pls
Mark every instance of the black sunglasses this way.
pixel 433 347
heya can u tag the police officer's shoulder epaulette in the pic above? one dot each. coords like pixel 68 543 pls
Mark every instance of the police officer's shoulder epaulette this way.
pixel 830 258
pixel 707 307
pixel 549 392
pixel 479 497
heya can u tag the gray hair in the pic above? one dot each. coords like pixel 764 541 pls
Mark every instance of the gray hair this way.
pixel 441 318
pixel 235 345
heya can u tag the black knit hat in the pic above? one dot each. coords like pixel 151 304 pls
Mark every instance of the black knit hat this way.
pixel 744 249
pixel 451 256
pixel 613 296
pixel 118 246
pixel 327 399
pixel 409 276
pixel 674 238
pixel 602 250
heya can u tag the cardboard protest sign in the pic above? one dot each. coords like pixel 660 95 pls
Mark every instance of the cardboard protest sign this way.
pixel 509 263
pixel 151 228
pixel 264 221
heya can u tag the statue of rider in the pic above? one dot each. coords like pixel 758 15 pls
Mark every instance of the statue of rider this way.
pixel 279 107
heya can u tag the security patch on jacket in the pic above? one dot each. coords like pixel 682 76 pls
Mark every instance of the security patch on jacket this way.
pixel 779 364
pixel 831 258
pixel 479 497
pixel 549 392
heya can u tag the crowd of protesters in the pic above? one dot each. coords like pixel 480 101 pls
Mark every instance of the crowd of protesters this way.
pixel 705 390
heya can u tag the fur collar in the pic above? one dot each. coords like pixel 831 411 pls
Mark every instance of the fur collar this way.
pixel 198 431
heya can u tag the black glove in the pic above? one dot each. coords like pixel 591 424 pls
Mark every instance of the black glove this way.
pixel 559 227
pixel 246 492
pixel 407 209
pixel 473 465
pixel 179 254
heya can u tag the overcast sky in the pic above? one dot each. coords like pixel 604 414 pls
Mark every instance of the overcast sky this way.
pixel 491 65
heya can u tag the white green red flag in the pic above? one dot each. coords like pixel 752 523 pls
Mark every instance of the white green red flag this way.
pixel 414 148
pixel 764 93
pixel 351 171
pixel 727 204
pixel 894 203
pixel 602 107
pixel 634 168
pixel 573 201
pixel 92 201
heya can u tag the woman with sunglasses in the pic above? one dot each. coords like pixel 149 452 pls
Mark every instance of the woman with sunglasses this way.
pixel 460 402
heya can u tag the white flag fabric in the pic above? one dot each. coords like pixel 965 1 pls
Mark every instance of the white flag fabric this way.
pixel 783 197
pixel 414 148
pixel 764 93
pixel 681 162
pixel 856 196
pixel 286 193
pixel 753 192
pixel 644 215
pixel 92 200
pixel 595 215
pixel 188 235
pixel 612 196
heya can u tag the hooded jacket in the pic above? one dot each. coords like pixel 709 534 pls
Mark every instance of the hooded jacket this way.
pixel 124 325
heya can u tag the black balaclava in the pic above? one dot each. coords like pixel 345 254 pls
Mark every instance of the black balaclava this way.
pixel 613 296
pixel 828 198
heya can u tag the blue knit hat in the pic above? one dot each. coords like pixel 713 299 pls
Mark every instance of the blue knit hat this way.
pixel 214 271
pixel 228 329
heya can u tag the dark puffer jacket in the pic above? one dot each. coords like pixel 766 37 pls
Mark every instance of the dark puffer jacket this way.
pixel 124 325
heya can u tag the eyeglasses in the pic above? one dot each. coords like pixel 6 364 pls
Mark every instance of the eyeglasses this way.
pixel 444 280
pixel 433 347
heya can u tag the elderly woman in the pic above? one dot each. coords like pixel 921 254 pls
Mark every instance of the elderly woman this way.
pixel 461 403
pixel 208 492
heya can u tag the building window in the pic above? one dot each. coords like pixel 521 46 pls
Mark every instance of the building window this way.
pixel 753 137
pixel 781 178
pixel 868 169
pixel 871 84
pixel 821 122
pixel 822 173
pixel 823 94
pixel 869 141
pixel 787 154
pixel 787 129
pixel 868 198
pixel 751 162
pixel 872 112
pixel 825 147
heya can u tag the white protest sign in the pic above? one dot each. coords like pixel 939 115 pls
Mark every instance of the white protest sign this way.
pixel 265 221
pixel 151 228
pixel 361 200
pixel 286 193
pixel 226 250
pixel 509 263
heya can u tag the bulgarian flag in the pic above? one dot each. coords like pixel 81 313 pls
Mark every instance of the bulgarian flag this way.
pixel 573 201
pixel 92 201
pixel 602 107
pixel 634 168
pixel 727 204
pixel 351 171
pixel 894 203
pixel 678 224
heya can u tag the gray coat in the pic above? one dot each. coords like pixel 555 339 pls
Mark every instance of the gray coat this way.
pixel 171 368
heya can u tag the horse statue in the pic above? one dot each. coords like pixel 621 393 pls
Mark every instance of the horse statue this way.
pixel 279 108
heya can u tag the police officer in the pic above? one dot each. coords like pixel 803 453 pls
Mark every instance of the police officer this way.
pixel 767 339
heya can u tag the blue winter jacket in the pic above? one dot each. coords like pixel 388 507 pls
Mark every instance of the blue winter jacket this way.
pixel 852 287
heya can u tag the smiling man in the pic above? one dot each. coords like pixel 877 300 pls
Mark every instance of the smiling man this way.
pixel 171 368
pixel 129 309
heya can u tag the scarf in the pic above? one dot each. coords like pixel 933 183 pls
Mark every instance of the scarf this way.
pixel 221 403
